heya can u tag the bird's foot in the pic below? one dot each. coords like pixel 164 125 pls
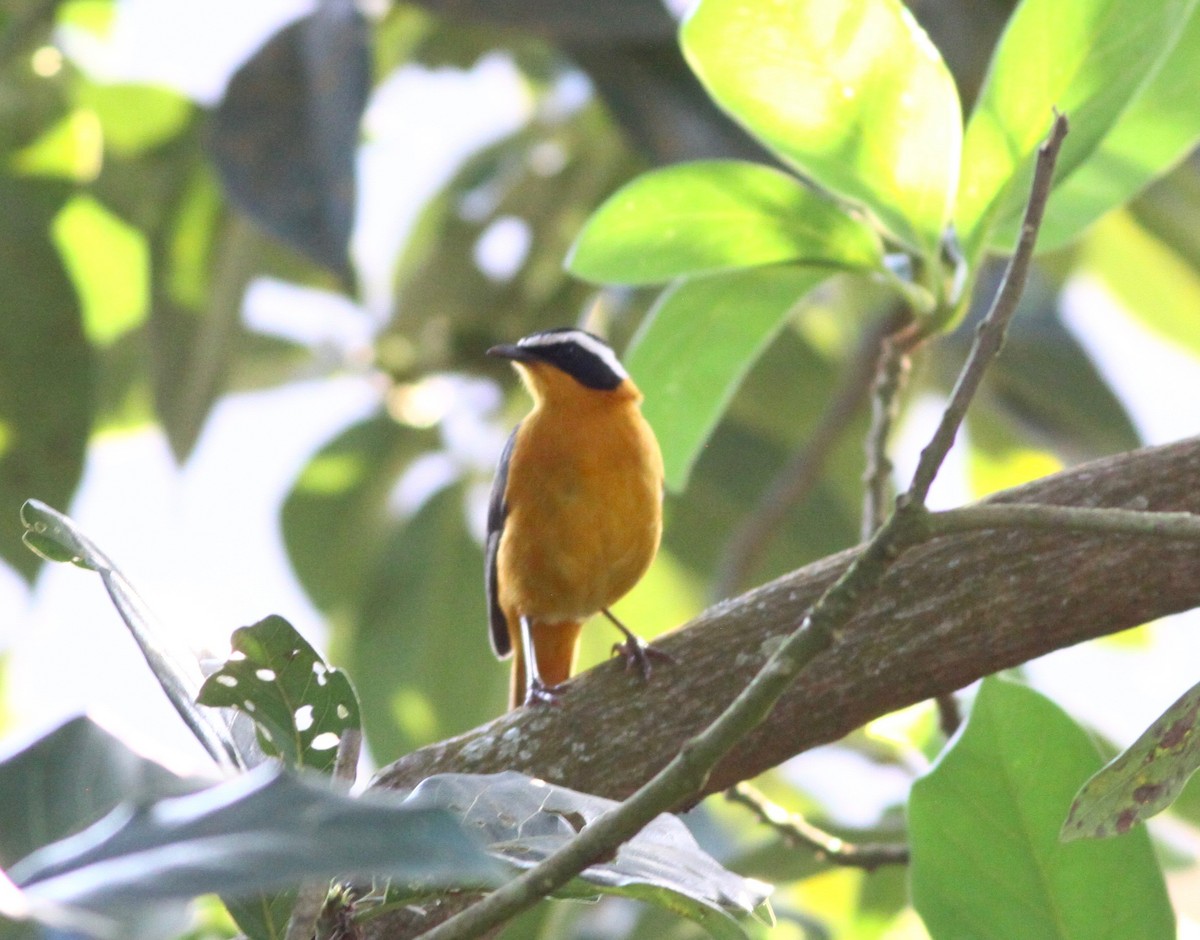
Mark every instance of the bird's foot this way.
pixel 638 653
pixel 540 694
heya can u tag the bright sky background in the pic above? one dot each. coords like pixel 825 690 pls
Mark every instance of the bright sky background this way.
pixel 202 542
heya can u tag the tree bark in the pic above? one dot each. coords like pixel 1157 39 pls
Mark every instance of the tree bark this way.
pixel 949 612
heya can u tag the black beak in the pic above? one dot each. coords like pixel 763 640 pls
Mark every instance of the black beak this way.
pixel 511 351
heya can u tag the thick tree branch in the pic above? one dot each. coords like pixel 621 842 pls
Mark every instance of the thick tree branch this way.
pixel 949 612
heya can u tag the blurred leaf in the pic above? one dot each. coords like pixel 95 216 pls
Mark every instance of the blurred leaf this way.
pixel 263 916
pixel 523 820
pixel 660 106
pixel 706 217
pixel 1044 385
pixel 852 93
pixel 1142 780
pixel 984 824
pixel 134 117
pixel 697 344
pixel 47 398
pixel 1152 283
pixel 999 457
pixel 109 264
pixel 416 642
pixel 66 780
pixel 336 521
pixel 1158 129
pixel 285 135
pixel 541 183
pixel 71 148
pixel 300 705
pixel 55 537
pixel 264 829
pixel 1087 60
pixel 601 20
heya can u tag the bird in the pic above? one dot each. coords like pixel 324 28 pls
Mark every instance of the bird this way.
pixel 575 515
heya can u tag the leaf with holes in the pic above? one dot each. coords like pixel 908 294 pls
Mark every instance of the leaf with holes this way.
pixel 1142 780
pixel 523 820
pixel 300 705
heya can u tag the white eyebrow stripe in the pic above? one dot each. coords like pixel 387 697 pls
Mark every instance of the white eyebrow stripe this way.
pixel 601 351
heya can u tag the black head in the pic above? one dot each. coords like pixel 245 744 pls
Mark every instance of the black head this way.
pixel 586 358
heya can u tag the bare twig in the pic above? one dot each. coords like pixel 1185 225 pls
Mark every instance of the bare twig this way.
pixel 989 336
pixel 686 773
pixel 891 374
pixel 827 847
pixel 796 479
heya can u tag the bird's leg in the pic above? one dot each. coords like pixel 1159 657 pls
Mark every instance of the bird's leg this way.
pixel 634 650
pixel 536 691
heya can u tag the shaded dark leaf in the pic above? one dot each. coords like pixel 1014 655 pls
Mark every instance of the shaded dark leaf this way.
pixel 523 820
pixel 263 830
pixel 68 779
pixel 47 394
pixel 285 134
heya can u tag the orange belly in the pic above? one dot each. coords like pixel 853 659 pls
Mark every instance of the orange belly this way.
pixel 584 514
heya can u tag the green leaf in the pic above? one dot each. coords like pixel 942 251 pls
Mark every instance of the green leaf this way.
pixel 1088 60
pixel 284 137
pixel 336 520
pixel 263 916
pixel 66 780
pixel 700 218
pixel 47 391
pixel 523 820
pixel 696 345
pixel 984 823
pixel 135 117
pixel 415 639
pixel 263 830
pixel 1160 289
pixel 1142 780
pixel 300 705
pixel 1155 132
pixel 56 538
pixel 850 92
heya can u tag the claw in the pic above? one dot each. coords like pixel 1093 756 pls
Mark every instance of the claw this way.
pixel 637 653
pixel 541 695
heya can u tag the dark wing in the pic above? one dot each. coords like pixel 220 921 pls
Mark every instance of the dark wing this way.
pixel 497 512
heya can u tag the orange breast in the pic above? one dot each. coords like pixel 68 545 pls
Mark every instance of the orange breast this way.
pixel 584 511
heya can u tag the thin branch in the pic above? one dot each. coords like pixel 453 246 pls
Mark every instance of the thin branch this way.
pixel 990 335
pixel 796 479
pixel 687 772
pixel 1175 525
pixel 826 846
pixel 891 375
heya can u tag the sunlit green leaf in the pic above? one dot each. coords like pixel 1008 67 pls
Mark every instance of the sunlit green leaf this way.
pixel 1087 59
pixel 109 263
pixel 133 117
pixel 1158 129
pixel 984 827
pixel 1142 780
pixel 698 218
pixel 698 342
pixel 1156 286
pixel 301 705
pixel 851 92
